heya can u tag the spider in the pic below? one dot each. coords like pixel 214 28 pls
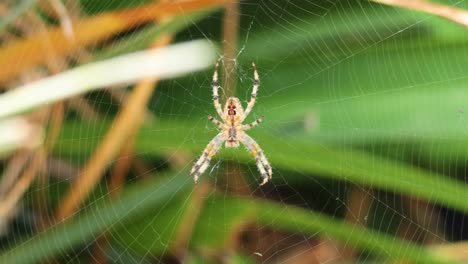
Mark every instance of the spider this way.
pixel 233 131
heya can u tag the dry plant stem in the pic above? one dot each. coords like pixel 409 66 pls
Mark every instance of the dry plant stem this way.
pixel 57 9
pixel 74 9
pixel 197 200
pixel 358 206
pixel 23 183
pixel 122 167
pixel 427 217
pixel 88 32
pixel 40 155
pixel 83 108
pixel 3 9
pixel 13 169
pixel 56 122
pixel 65 20
pixel 454 14
pixel 230 31
pixel 55 125
pixel 121 96
pixel 61 169
pixel 128 68
pixel 41 202
pixel 92 172
pixel 118 175
pixel 140 168
pixel 130 117
pixel 99 255
pixel 325 251
pixel 455 251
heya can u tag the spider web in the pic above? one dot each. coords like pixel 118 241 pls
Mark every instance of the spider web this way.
pixel 346 77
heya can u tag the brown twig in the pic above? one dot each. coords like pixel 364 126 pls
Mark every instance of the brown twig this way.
pixel 453 14
pixel 453 251
pixel 56 122
pixel 23 183
pixel 56 8
pixel 426 218
pixel 38 161
pixel 130 117
pixel 13 169
pixel 83 108
pixel 121 96
pixel 55 125
pixel 358 205
pixel 122 167
pixel 88 32
pixel 230 31
pixel 197 199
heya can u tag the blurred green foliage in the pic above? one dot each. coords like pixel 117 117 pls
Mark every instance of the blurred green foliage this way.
pixel 356 92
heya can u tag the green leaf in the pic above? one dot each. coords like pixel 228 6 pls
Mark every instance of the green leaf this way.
pixel 287 153
pixel 219 222
pixel 294 219
pixel 222 218
pixel 153 230
pixel 58 239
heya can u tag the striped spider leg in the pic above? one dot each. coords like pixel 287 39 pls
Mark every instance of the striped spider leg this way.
pixel 253 97
pixel 232 130
pixel 262 163
pixel 204 161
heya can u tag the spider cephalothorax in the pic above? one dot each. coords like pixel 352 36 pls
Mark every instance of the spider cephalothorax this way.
pixel 232 131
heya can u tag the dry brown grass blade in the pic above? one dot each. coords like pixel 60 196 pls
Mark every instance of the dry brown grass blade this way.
pixel 122 167
pixel 428 218
pixel 55 125
pixel 19 184
pixel 83 108
pixel 359 203
pixel 455 251
pixel 15 165
pixel 130 117
pixel 56 121
pixel 87 32
pixel 194 208
pixel 120 95
pixel 14 195
pixel 57 9
pixel 38 161
pixel 117 179
pixel 454 14
pixel 230 31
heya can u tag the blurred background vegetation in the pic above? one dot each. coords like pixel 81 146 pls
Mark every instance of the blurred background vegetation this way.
pixel 365 128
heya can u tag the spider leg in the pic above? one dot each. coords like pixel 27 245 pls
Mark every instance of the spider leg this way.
pixel 216 122
pixel 204 161
pixel 215 85
pixel 262 163
pixel 254 93
pixel 253 124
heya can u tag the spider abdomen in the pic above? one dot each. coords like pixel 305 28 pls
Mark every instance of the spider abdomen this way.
pixel 232 137
pixel 232 133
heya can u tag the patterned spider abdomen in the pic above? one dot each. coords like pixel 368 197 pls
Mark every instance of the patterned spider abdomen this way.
pixel 232 142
